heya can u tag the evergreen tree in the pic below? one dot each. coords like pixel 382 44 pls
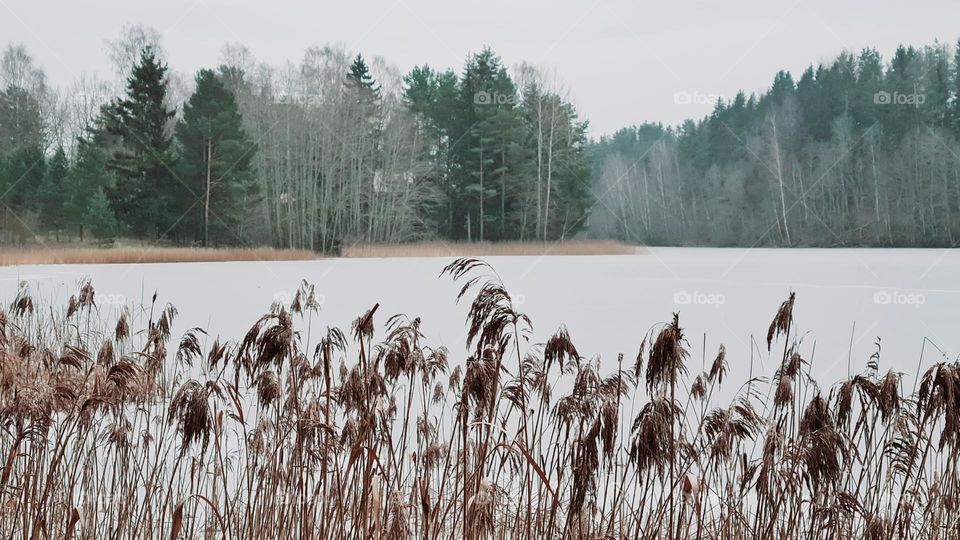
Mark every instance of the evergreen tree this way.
pixel 22 158
pixel 142 160
pixel 869 82
pixel 484 144
pixel 88 174
pixel 21 124
pixel 51 193
pixel 216 163
pixel 935 87
pixel 368 99
pixel 902 81
pixel 434 97
pixel 954 113
pixel 99 217
pixel 782 88
pixel 359 77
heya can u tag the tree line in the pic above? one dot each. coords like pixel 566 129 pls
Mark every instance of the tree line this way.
pixel 331 150
pixel 857 151
pixel 136 167
pixel 335 149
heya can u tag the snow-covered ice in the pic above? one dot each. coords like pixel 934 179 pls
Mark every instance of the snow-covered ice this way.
pixel 846 299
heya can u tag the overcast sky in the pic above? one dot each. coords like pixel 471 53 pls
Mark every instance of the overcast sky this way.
pixel 624 61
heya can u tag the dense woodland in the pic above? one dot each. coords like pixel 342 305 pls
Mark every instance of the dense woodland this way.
pixel 331 150
pixel 855 152
pixel 335 149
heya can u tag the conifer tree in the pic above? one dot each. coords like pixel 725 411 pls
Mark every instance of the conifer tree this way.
pixel 216 164
pixel 955 103
pixel 88 174
pixel 99 218
pixel 51 194
pixel 142 161
pixel 485 143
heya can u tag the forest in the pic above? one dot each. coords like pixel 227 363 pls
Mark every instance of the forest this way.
pixel 857 152
pixel 319 154
pixel 335 149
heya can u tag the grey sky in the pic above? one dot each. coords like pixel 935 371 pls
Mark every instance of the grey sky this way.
pixel 623 61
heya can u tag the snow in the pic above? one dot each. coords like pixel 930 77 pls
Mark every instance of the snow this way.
pixel 846 299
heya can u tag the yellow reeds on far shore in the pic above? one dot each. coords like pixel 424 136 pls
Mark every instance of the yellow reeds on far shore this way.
pixel 41 254
pixel 132 254
pixel 490 249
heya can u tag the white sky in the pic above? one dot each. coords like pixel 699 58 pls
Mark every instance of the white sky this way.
pixel 624 61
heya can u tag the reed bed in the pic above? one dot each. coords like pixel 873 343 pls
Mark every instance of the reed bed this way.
pixel 490 249
pixel 114 428
pixel 144 254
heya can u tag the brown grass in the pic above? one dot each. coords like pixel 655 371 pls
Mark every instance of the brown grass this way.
pixel 113 427
pixel 488 249
pixel 127 254
pixel 144 254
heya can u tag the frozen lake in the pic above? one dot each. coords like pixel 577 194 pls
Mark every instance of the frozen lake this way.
pixel 846 299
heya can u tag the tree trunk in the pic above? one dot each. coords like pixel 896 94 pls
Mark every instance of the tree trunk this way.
pixel 206 202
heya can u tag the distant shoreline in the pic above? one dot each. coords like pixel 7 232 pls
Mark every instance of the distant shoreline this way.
pixel 41 254
pixel 78 254
pixel 491 249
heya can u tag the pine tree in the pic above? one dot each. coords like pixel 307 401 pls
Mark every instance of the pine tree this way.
pixel 869 82
pixel 902 80
pixel 485 145
pixel 954 110
pixel 22 158
pixel 142 161
pixel 51 193
pixel 368 97
pixel 935 87
pixel 99 217
pixel 216 163
pixel 782 88
pixel 434 97
pixel 21 124
pixel 359 77
pixel 88 175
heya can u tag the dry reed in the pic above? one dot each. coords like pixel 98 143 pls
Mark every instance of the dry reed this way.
pixel 293 432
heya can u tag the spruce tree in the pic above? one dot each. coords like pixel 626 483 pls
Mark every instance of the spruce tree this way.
pixel 367 93
pixel 99 218
pixel 88 174
pixel 434 97
pixel 902 81
pixel 869 82
pixel 485 145
pixel 216 163
pixel 954 111
pixel 51 195
pixel 22 158
pixel 359 76
pixel 142 161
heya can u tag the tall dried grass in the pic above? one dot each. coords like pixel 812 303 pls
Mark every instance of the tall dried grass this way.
pixel 144 254
pixel 115 429
pixel 489 249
